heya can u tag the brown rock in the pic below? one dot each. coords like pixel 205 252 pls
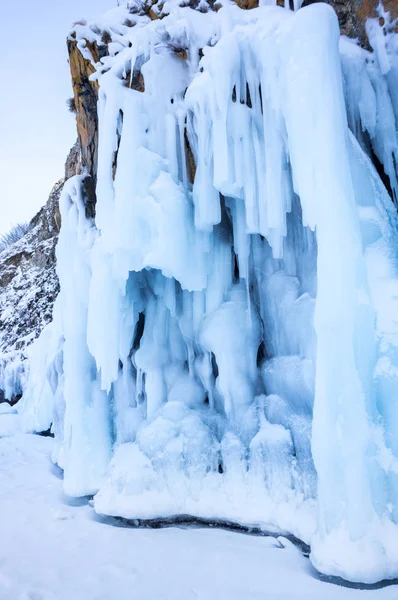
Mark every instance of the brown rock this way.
pixel 28 280
pixel 73 164
pixel 190 160
pixel 136 82
pixel 85 93
pixel 352 14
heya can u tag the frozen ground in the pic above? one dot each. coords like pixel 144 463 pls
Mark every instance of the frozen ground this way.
pixel 54 548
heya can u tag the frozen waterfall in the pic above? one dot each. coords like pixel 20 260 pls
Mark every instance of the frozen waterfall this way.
pixel 225 343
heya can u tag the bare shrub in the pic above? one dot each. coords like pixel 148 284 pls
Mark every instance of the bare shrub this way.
pixel 178 46
pixel 13 235
pixel 71 104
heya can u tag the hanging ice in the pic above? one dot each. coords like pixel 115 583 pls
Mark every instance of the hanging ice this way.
pixel 211 318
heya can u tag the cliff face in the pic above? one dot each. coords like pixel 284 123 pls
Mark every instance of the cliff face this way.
pixel 352 14
pixel 28 281
pixel 87 52
pixel 85 95
pixel 211 336
pixel 28 288
pixel 369 22
pixel 224 342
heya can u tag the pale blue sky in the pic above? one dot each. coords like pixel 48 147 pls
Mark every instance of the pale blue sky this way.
pixel 36 129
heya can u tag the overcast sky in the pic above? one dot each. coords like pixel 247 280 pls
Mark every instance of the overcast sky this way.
pixel 36 129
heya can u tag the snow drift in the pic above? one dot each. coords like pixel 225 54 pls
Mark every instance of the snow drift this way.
pixel 225 343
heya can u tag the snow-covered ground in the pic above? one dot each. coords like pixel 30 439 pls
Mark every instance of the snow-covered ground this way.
pixel 54 548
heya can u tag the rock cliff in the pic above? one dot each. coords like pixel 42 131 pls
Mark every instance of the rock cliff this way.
pixel 28 281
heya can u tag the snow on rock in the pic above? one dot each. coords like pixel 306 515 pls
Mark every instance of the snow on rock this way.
pixel 28 280
pixel 225 341
pixel 28 288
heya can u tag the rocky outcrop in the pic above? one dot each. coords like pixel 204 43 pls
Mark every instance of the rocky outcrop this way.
pixel 28 281
pixel 353 14
pixel 85 96
pixel 73 165
pixel 29 284
pixel 84 54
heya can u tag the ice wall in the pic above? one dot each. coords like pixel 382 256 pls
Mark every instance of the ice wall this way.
pixel 225 341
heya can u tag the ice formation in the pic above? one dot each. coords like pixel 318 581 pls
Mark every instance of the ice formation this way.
pixel 225 343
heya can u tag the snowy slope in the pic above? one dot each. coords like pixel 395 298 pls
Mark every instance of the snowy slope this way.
pixel 28 288
pixel 28 281
pixel 29 285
